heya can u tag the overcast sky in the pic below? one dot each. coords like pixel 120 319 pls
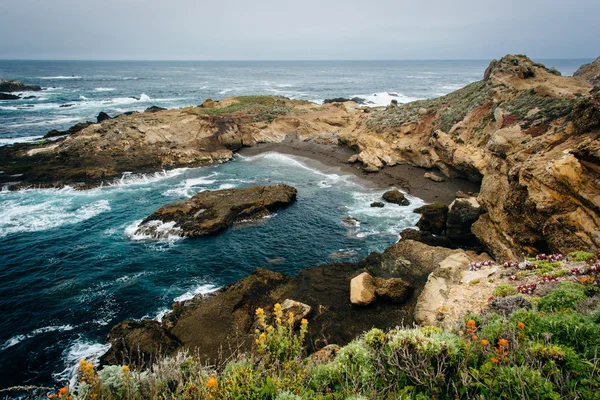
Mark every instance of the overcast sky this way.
pixel 292 30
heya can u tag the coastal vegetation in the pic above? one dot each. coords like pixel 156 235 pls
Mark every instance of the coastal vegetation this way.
pixel 542 347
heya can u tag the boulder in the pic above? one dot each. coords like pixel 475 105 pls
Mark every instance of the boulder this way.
pixel 5 96
pixel 396 197
pixel 377 204
pixel 210 212
pixel 462 213
pixel 433 218
pixel 394 290
pixel 298 309
pixel 17 86
pixel 434 177
pixel 74 129
pixel 208 103
pixel 153 109
pixel 102 117
pixel 362 290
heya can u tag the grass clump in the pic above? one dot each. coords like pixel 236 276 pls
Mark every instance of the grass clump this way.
pixel 581 256
pixel 504 290
pixel 564 297
pixel 258 108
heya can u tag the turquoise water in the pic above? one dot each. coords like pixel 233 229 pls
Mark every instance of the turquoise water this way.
pixel 72 266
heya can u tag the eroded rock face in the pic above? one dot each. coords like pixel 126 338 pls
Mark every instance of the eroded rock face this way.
pixel 462 213
pixel 433 218
pixel 590 72
pixel 210 212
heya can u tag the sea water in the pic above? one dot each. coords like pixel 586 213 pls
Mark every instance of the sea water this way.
pixel 71 264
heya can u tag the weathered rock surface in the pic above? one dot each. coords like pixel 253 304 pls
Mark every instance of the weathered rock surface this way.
pixel 74 129
pixel 362 290
pixel 434 177
pixel 433 218
pixel 462 213
pixel 17 86
pixel 529 136
pixel 103 117
pixel 210 212
pixel 427 238
pixel 396 197
pixel 590 72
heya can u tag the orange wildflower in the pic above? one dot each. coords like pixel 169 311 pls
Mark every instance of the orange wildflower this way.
pixel 503 343
pixel 484 342
pixel 212 383
pixel 495 360
pixel 521 325
pixel 63 391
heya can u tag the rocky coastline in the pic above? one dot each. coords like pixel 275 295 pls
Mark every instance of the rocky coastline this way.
pixel 525 138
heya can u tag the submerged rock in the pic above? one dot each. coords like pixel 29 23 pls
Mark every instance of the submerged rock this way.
pixel 377 204
pixel 396 197
pixel 210 212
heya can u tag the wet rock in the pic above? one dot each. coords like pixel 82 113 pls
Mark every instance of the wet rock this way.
pixel 433 218
pixel 362 290
pixel 5 96
pixel 395 197
pixel 74 129
pixel 17 86
pixel 377 204
pixel 103 117
pixel 65 105
pixel 153 109
pixel 210 212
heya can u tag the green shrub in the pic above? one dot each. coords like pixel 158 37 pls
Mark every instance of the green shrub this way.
pixel 512 382
pixel 565 296
pixel 375 338
pixel 504 290
pixel 581 255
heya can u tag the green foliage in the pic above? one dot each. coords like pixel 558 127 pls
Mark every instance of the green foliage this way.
pixel 581 255
pixel 259 108
pixel 512 382
pixel 375 338
pixel 565 296
pixel 504 290
pixel 543 267
pixel 550 108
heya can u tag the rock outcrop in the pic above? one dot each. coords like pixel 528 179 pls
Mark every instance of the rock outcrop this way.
pixel 5 96
pixel 396 197
pixel 210 212
pixel 17 86
pixel 590 72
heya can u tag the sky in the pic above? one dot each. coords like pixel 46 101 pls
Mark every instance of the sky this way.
pixel 297 30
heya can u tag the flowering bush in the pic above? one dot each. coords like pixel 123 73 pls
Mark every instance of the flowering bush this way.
pixel 527 288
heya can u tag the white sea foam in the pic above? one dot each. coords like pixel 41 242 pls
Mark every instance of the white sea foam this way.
pixel 23 139
pixel 227 186
pixel 104 89
pixel 201 289
pixel 79 350
pixel 59 77
pixel 190 187
pixel 129 178
pixel 153 230
pixel 19 217
pixel 385 98
pixel 13 341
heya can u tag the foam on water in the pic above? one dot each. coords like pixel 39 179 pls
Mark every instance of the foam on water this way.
pixel 60 77
pixel 81 349
pixel 103 89
pixel 153 230
pixel 30 216
pixel 190 187
pixel 129 178
pixel 385 98
pixel 201 289
pixel 19 338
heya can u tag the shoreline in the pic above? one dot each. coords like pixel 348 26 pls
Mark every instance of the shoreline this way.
pixel 406 177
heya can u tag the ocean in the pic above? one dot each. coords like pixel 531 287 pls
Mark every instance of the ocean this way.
pixel 71 265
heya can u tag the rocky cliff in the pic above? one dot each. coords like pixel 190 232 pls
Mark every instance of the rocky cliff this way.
pixel 526 134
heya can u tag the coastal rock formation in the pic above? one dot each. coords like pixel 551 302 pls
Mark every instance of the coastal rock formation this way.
pixel 17 86
pixel 590 72
pixel 210 212
pixel 74 129
pixel 527 135
pixel 4 96
pixel 362 290
pixel 433 218
pixel 396 197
